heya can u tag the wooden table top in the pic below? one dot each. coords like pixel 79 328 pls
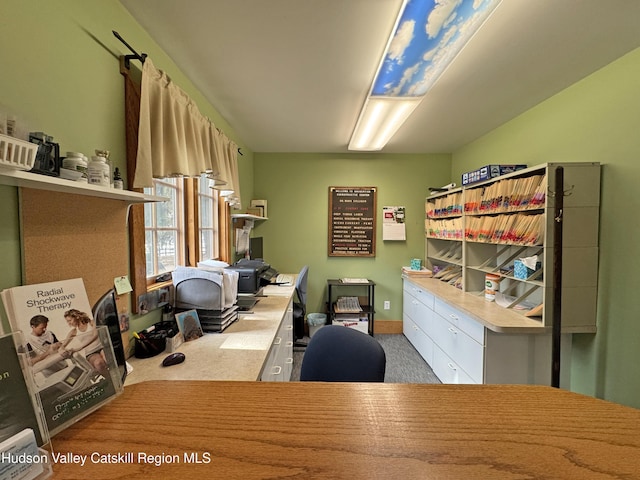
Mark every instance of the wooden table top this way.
pixel 305 430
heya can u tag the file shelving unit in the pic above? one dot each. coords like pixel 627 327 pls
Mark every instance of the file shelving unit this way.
pixel 465 229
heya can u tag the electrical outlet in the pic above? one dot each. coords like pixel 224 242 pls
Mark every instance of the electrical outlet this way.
pixel 387 304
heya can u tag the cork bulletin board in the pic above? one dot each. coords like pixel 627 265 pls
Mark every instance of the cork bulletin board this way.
pixel 74 236
pixel 352 221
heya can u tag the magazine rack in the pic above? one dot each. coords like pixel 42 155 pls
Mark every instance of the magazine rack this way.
pixel 23 428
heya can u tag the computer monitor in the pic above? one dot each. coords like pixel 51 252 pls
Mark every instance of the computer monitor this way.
pixel 105 312
pixel 255 248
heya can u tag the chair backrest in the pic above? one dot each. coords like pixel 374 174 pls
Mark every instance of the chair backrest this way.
pixel 301 286
pixel 341 354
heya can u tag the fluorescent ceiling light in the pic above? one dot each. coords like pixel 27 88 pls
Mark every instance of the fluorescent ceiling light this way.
pixel 428 35
pixel 379 120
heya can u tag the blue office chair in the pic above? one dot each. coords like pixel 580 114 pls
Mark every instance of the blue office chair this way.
pixel 341 354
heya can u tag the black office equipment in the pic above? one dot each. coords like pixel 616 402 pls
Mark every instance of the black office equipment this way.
pixel 252 274
pixel 173 359
pixel 255 248
pixel 105 312
pixel 47 161
pixel 300 307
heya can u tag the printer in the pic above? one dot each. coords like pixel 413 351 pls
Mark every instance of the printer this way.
pixel 252 274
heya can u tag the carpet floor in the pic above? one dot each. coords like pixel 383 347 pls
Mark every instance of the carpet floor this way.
pixel 404 363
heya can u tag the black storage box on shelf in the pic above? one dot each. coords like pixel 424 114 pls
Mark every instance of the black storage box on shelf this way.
pixel 47 161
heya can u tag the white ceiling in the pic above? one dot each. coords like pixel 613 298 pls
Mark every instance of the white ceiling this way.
pixel 292 75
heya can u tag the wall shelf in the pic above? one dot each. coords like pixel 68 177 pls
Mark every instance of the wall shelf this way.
pixel 246 216
pixel 20 178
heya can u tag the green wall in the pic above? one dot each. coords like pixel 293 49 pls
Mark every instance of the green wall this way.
pixel 595 120
pixel 60 74
pixel 296 187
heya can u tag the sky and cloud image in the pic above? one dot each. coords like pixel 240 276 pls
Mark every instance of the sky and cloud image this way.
pixel 429 35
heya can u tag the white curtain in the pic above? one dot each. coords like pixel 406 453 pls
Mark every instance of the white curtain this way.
pixel 175 139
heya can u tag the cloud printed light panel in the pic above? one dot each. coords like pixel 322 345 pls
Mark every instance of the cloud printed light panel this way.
pixel 429 35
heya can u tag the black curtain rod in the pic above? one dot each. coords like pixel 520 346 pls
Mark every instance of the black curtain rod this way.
pixel 128 58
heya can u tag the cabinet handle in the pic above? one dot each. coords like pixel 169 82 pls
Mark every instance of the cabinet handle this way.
pixel 277 341
pixel 289 344
pixel 452 366
pixel 453 330
pixel 415 302
pixel 289 327
pixel 288 360
pixel 276 370
pixel 455 317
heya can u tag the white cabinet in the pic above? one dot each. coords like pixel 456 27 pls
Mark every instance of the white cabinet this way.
pixel 460 348
pixel 417 306
pixel 279 363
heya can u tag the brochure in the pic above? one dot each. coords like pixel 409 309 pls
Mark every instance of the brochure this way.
pixel 72 359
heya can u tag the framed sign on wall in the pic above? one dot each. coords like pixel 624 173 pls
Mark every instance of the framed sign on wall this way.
pixel 352 221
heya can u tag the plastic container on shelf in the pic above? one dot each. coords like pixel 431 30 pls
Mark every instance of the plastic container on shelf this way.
pixel 16 153
pixel 75 161
pixel 105 154
pixel 98 171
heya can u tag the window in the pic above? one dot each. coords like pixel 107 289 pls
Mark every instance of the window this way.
pixel 183 230
pixel 164 227
pixel 208 224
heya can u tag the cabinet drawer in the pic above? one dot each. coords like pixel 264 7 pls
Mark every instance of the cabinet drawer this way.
pixel 465 323
pixel 419 339
pixel 464 350
pixel 271 371
pixel 447 370
pixel 421 295
pixel 418 312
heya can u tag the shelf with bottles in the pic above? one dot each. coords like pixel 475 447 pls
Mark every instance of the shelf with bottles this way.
pixel 21 178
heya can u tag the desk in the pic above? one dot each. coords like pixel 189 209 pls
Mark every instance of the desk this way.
pixel 307 430
pixel 238 353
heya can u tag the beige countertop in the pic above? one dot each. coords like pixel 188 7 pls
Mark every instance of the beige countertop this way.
pixel 236 354
pixel 489 314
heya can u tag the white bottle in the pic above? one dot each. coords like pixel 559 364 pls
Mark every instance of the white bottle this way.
pixel 98 171
pixel 105 154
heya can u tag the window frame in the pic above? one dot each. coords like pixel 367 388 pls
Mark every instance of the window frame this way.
pixel 179 224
